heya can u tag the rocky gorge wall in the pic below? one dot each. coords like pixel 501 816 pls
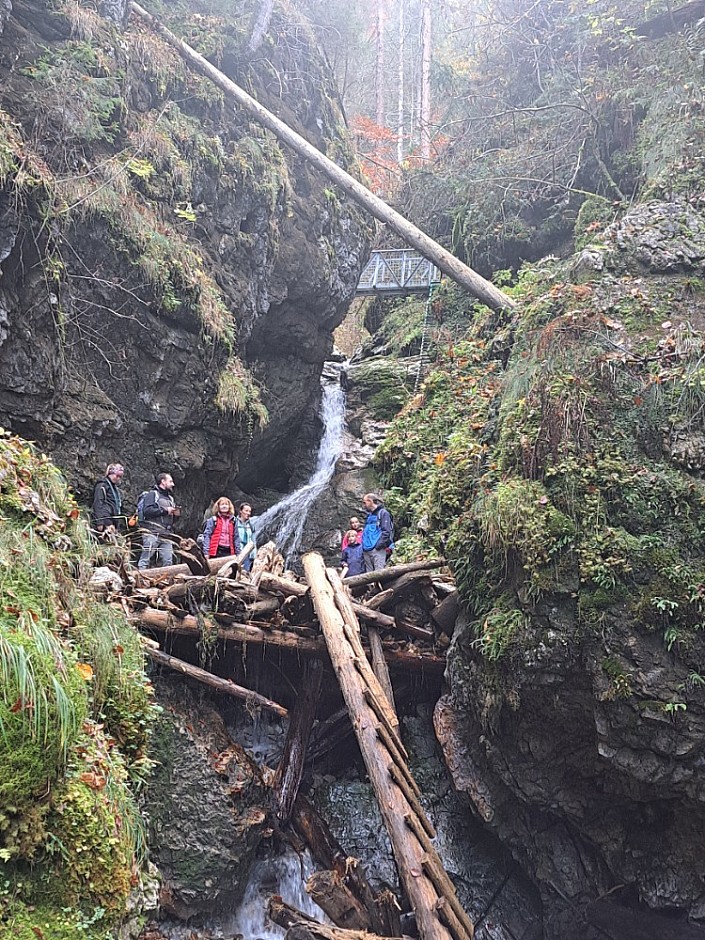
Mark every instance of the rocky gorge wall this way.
pixel 170 277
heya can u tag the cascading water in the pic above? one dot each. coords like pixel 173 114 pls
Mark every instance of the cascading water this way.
pixel 286 519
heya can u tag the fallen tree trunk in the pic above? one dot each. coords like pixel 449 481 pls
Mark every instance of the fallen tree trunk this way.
pixel 163 621
pixel 171 571
pixel 389 574
pixel 393 804
pixel 379 666
pixel 225 686
pixel 337 901
pixel 291 765
pixel 448 263
pixel 300 926
pixel 328 852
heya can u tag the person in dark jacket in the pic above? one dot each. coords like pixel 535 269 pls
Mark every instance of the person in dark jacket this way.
pixel 107 516
pixel 220 535
pixel 351 556
pixel 159 512
pixel 377 534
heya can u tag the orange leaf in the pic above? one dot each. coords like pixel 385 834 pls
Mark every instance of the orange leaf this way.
pixel 73 513
pixel 118 650
pixel 93 780
pixel 439 459
pixel 85 670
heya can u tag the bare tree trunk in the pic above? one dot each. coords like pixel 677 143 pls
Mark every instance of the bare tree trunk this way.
pixel 379 65
pixel 450 265
pixel 393 786
pixel 426 42
pixel 261 24
pixel 400 87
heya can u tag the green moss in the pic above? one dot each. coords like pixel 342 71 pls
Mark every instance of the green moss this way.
pixel 68 667
pixel 595 214
pixel 382 385
pixel 29 922
pixel 537 458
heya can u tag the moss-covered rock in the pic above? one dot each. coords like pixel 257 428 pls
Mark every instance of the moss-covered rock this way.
pixel 71 839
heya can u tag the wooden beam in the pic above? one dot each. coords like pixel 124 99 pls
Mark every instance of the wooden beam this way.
pixel 162 621
pixel 337 901
pixel 477 285
pixel 391 800
pixel 224 686
pixel 389 574
pixel 291 766
pixel 170 572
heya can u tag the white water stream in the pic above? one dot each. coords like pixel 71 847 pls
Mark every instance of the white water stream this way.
pixel 284 522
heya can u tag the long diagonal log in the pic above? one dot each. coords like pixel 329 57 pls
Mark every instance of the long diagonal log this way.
pixel 291 765
pixel 352 632
pixel 215 682
pixel 392 802
pixel 448 263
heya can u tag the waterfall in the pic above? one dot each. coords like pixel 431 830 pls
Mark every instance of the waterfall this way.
pixel 286 519
pixel 284 875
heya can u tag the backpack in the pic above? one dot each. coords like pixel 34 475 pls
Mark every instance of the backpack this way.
pixel 138 517
pixel 372 531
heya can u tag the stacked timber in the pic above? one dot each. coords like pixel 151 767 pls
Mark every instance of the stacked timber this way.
pixel 407 611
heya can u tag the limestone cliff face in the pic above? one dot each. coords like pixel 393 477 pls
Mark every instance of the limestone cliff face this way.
pixel 169 277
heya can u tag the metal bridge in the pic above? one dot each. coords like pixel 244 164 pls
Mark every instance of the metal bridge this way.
pixel 398 272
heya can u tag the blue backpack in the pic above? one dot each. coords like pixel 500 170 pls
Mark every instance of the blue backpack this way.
pixel 372 532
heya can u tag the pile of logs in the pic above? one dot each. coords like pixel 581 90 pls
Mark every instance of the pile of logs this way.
pixel 407 610
pixel 400 618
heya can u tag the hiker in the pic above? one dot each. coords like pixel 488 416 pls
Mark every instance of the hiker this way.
pixel 354 526
pixel 377 534
pixel 245 532
pixel 220 535
pixel 351 557
pixel 157 511
pixel 106 514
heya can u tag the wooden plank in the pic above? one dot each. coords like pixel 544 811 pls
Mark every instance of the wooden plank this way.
pixel 392 802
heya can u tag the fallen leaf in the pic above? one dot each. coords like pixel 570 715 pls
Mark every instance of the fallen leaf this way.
pixel 85 670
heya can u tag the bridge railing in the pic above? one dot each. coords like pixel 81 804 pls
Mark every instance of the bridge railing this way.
pixel 397 271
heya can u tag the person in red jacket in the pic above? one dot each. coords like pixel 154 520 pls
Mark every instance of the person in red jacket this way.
pixel 220 534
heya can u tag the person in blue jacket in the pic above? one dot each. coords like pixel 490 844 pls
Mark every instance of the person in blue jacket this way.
pixel 377 534
pixel 351 556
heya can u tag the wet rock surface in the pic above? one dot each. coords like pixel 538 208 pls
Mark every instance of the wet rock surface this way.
pixel 584 759
pixel 207 807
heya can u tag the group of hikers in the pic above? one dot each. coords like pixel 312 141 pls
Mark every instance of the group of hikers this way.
pixel 227 530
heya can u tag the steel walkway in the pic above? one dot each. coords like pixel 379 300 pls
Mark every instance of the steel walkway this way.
pixel 397 272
